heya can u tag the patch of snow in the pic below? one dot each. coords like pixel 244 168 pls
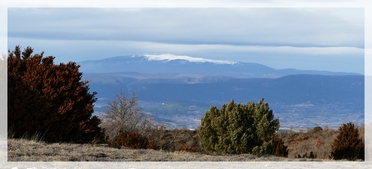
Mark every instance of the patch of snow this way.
pixel 170 57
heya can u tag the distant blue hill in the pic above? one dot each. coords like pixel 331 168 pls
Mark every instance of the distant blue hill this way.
pixel 299 100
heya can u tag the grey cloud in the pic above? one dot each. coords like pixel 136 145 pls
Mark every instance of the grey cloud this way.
pixel 230 26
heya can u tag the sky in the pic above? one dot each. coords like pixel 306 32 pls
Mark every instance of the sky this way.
pixel 329 39
pixel 333 26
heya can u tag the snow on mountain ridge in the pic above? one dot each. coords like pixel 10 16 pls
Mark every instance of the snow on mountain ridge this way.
pixel 170 57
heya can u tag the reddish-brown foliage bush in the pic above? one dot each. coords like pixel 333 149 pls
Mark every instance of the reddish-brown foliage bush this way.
pixel 279 148
pixel 131 140
pixel 348 144
pixel 309 144
pixel 179 140
pixel 188 149
pixel 49 99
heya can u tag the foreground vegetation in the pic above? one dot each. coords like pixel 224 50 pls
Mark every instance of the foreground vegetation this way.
pixel 176 145
pixel 50 103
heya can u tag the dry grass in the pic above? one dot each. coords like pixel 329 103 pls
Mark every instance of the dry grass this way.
pixel 28 150
pixel 172 146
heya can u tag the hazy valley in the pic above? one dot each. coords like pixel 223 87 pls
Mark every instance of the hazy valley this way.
pixel 178 92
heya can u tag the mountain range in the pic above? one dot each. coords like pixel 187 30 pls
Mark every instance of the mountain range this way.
pixel 178 90
pixel 167 64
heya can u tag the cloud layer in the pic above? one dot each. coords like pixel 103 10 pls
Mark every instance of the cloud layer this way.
pixel 233 26
pixel 278 37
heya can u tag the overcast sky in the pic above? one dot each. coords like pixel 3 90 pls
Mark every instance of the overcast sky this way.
pixel 302 38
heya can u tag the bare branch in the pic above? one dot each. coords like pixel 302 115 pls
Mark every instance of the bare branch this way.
pixel 124 115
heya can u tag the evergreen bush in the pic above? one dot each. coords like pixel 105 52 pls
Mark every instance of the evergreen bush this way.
pixel 348 145
pixel 238 128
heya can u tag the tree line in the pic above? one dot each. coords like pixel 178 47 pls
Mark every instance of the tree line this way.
pixel 53 101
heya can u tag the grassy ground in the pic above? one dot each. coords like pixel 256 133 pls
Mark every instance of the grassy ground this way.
pixel 171 147
pixel 28 150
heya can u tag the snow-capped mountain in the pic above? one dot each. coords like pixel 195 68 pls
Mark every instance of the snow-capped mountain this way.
pixel 171 57
pixel 178 64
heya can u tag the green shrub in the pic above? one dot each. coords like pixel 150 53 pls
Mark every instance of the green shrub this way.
pixel 266 148
pixel 317 128
pixel 238 128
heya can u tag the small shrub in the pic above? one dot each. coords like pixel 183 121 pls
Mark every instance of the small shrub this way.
pixel 131 140
pixel 348 144
pixel 179 140
pixel 320 143
pixel 124 115
pixel 317 128
pixel 279 148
